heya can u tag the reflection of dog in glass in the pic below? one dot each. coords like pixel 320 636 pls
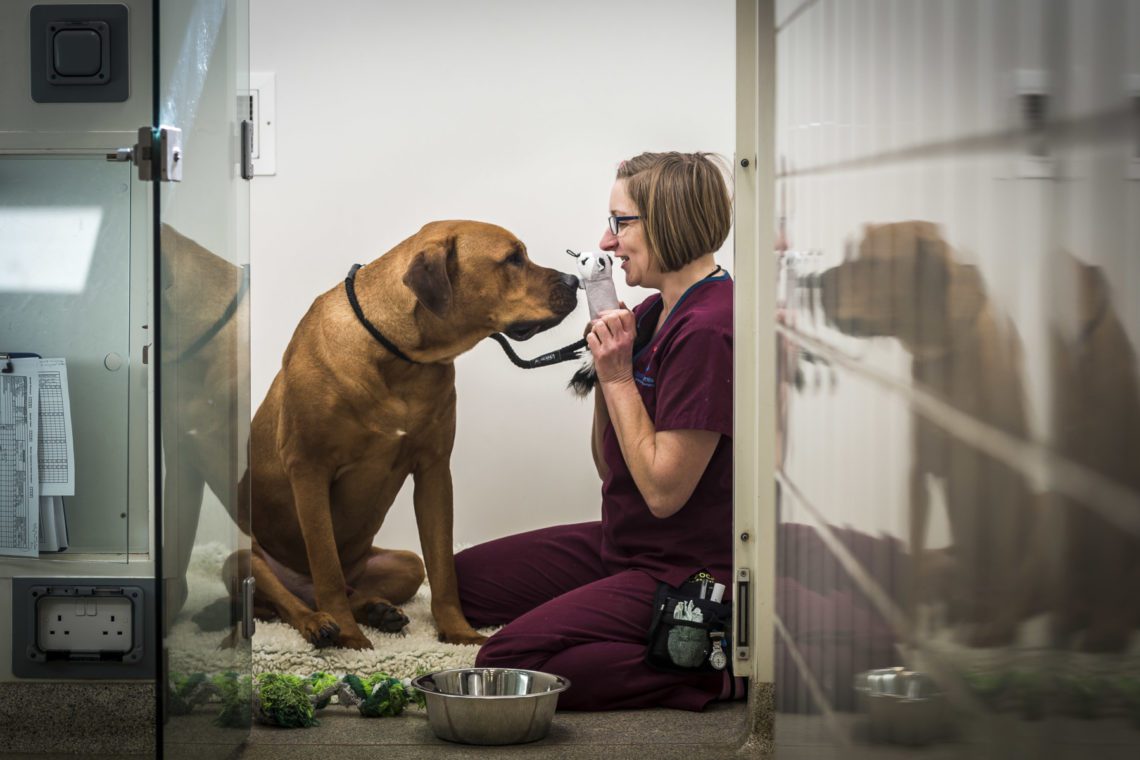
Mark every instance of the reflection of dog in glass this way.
pixel 205 312
pixel 1097 424
pixel 905 284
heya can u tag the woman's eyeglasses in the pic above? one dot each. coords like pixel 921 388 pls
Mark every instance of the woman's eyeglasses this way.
pixel 617 223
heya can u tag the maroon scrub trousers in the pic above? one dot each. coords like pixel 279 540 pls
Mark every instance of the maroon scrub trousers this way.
pixel 576 600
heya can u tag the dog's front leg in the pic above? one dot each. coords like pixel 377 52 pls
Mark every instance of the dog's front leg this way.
pixel 434 505
pixel 182 491
pixel 919 516
pixel 314 513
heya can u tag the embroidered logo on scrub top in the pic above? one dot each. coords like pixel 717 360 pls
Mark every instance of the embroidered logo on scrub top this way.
pixel 642 377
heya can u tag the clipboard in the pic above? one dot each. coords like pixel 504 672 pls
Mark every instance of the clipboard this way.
pixel 6 358
pixel 52 508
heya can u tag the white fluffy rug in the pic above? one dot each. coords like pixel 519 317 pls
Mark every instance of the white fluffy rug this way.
pixel 279 648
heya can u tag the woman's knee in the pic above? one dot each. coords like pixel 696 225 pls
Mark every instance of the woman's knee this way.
pixel 506 651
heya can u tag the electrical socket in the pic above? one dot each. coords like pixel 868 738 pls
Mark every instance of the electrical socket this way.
pixel 57 632
pixel 84 624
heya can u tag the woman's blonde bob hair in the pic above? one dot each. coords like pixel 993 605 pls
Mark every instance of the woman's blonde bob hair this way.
pixel 684 204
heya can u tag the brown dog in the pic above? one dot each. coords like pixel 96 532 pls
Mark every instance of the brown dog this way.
pixel 905 284
pixel 205 320
pixel 1096 405
pixel 346 421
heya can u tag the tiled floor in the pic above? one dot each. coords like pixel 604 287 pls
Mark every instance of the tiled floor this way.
pixel 1001 737
pixel 649 735
pixel 660 734
pixel 640 734
pixel 635 734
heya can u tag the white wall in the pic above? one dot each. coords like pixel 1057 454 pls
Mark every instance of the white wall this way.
pixel 390 115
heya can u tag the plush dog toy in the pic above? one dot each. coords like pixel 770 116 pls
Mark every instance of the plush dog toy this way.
pixel 596 277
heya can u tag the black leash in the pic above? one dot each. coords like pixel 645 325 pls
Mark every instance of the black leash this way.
pixel 564 354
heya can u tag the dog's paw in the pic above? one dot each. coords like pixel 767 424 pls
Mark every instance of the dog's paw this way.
pixel 355 640
pixel 320 630
pixel 216 616
pixel 462 638
pixel 385 617
pixel 231 640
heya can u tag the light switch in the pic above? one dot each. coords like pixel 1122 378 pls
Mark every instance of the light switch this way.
pixel 80 53
pixel 77 53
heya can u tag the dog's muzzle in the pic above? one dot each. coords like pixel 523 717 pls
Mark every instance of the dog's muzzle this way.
pixel 564 295
pixel 527 330
pixel 563 299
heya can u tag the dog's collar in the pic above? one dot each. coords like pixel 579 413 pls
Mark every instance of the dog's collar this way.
pixel 227 315
pixel 350 290
pixel 564 354
pixel 957 342
pixel 1091 326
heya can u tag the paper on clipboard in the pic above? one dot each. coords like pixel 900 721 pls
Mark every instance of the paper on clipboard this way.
pixel 56 446
pixel 19 464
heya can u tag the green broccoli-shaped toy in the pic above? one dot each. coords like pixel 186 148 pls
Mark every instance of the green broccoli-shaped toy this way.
pixel 283 700
pixel 417 696
pixel 1085 695
pixel 185 692
pixel 236 693
pixel 988 687
pixel 1129 690
pixel 1029 688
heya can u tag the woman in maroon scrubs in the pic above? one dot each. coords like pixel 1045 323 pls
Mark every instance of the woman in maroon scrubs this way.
pixel 576 600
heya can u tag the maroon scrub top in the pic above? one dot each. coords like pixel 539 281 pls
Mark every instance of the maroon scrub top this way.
pixel 684 376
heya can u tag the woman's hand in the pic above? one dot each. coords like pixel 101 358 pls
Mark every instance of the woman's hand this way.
pixel 611 342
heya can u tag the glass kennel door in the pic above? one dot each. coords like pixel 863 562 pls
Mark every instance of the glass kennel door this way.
pixel 202 393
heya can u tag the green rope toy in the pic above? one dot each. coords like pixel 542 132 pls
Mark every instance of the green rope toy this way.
pixel 290 701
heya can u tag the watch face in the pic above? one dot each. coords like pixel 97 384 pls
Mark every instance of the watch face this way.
pixel 718 659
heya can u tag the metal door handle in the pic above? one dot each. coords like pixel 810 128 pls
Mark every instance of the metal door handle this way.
pixel 248 586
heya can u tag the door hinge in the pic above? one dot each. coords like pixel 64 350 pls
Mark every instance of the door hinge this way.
pixel 157 154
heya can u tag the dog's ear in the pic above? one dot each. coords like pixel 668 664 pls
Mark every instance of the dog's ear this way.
pixel 428 279
pixel 931 270
pixel 928 296
pixel 1093 293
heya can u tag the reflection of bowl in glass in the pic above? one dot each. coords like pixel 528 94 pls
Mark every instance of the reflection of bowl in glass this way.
pixel 902 706
pixel 490 705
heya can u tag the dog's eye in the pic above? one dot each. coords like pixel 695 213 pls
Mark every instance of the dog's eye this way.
pixel 515 259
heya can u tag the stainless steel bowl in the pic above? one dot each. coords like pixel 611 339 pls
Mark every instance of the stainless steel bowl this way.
pixel 490 705
pixel 902 706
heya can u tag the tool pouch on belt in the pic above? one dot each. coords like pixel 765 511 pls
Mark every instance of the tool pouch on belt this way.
pixel 688 634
